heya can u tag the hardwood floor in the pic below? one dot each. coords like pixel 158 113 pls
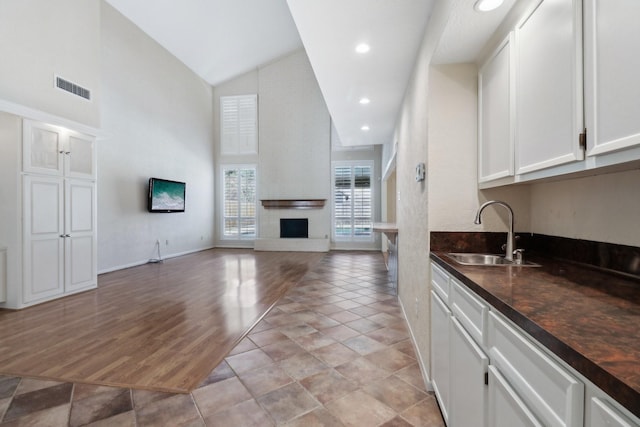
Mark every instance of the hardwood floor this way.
pixel 158 326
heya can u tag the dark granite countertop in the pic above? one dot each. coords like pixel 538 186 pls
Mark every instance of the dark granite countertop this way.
pixel 587 317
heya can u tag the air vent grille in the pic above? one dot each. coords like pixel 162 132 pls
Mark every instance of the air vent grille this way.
pixel 73 88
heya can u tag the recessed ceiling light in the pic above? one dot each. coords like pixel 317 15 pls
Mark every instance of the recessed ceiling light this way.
pixel 365 128
pixel 487 5
pixel 364 101
pixel 363 48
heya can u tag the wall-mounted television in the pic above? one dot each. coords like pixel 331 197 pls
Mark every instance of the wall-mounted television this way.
pixel 166 195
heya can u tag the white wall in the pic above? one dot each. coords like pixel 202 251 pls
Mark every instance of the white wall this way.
pixel 157 120
pixel 454 197
pixel 437 126
pixel 42 38
pixel 294 143
pixel 10 194
pixel 603 208
pixel 412 197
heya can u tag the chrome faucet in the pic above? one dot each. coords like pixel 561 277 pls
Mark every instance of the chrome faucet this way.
pixel 510 237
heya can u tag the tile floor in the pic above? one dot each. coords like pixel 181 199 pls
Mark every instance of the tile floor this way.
pixel 335 351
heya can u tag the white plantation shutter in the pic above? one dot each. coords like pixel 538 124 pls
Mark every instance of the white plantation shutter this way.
pixel 239 124
pixel 352 201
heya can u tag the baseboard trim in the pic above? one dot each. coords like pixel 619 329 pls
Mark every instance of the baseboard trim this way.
pixel 423 370
pixel 146 261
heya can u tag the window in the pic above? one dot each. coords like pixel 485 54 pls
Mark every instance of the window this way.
pixel 239 123
pixel 239 217
pixel 352 201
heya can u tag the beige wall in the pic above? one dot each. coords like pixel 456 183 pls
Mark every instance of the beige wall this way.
pixel 604 208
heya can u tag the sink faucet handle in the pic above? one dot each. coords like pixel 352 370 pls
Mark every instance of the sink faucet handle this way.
pixel 518 256
pixel 504 245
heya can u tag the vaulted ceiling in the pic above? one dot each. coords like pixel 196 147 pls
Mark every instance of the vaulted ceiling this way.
pixel 221 39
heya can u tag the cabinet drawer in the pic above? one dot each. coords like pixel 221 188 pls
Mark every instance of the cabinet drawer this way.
pixel 555 396
pixel 470 311
pixel 440 282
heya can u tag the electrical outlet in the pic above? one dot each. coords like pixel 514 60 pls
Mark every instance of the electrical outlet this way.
pixel 166 242
pixel 416 306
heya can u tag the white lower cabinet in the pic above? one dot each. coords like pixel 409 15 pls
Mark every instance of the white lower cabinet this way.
pixel 440 353
pixel 468 368
pixel 486 371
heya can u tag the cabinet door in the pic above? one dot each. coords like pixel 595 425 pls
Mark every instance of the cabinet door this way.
pixel 43 237
pixel 440 352
pixel 495 121
pixel 506 409
pixel 468 368
pixel 80 243
pixel 53 150
pixel 42 148
pixel 612 40
pixel 549 109
pixel 80 157
pixel 604 415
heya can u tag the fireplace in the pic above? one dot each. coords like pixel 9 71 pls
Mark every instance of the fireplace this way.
pixel 294 228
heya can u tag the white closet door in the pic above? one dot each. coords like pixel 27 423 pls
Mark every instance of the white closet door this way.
pixel 43 237
pixel 80 244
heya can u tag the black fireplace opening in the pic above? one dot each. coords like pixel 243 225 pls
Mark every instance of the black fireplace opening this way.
pixel 294 228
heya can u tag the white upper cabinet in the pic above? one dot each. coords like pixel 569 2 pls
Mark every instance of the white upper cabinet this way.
pixel 495 114
pixel 612 91
pixel 53 150
pixel 549 108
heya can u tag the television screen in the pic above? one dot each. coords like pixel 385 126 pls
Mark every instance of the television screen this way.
pixel 166 196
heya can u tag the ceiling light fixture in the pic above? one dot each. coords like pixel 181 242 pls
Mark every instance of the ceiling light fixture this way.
pixel 364 101
pixel 487 5
pixel 365 128
pixel 363 48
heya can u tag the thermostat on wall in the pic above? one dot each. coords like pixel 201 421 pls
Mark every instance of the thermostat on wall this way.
pixel 420 172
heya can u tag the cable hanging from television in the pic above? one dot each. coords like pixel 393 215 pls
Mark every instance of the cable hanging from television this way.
pixel 159 257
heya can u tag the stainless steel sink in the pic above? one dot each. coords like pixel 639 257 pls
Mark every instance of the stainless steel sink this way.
pixel 486 259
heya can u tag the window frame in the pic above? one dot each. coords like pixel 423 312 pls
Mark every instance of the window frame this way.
pixel 223 216
pixel 352 164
